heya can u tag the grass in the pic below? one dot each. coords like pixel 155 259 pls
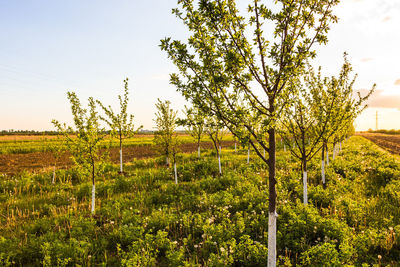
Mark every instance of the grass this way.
pixel 27 144
pixel 143 218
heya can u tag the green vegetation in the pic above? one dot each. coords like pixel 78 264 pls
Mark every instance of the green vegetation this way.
pixel 144 218
pixel 46 144
pixel 392 131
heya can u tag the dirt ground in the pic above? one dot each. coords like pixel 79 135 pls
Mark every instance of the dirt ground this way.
pixel 389 142
pixel 42 161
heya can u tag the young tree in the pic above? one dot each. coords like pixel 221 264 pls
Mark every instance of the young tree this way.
pixel 165 137
pixel 120 123
pixel 215 130
pixel 335 104
pixel 84 139
pixel 57 147
pixel 226 51
pixel 300 128
pixel 195 123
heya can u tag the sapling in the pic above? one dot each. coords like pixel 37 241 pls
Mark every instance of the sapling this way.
pixel 83 140
pixel 346 107
pixel 215 130
pixel 299 126
pixel 165 135
pixel 248 154
pixel 120 123
pixel 195 124
pixel 57 147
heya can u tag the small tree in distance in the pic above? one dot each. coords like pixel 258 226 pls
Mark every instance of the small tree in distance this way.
pixel 195 123
pixel 84 140
pixel 57 147
pixel 165 136
pixel 215 130
pixel 121 124
pixel 335 104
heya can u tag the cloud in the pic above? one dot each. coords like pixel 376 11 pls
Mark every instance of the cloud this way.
pixel 380 100
pixel 397 82
pixel 160 77
pixel 366 59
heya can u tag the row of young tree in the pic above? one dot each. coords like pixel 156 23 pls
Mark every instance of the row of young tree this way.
pixel 255 82
pixel 86 141
pixel 250 72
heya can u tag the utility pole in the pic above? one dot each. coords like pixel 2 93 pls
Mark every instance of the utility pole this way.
pixel 376 125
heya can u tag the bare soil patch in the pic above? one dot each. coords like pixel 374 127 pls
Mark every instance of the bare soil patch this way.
pixel 388 142
pixel 41 161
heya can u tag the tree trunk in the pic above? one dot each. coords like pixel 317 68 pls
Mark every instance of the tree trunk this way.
pixel 305 196
pixel 120 155
pixel 235 147
pixel 93 198
pixel 167 161
pixel 334 152
pixel 53 180
pixel 248 155
pixel 284 147
pixel 327 156
pixel 272 215
pixel 198 151
pixel 219 160
pixel 176 176
pixel 120 161
pixel 323 166
pixel 93 189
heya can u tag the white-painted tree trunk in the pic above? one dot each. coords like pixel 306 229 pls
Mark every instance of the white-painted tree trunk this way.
pixel 53 180
pixel 120 161
pixel 284 147
pixel 272 239
pixel 334 152
pixel 167 160
pixel 327 157
pixel 305 197
pixel 219 160
pixel 235 147
pixel 340 146
pixel 264 153
pixel 248 155
pixel 323 171
pixel 176 175
pixel 198 151
pixel 93 197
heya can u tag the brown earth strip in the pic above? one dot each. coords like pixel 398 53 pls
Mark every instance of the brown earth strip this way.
pixel 39 161
pixel 390 143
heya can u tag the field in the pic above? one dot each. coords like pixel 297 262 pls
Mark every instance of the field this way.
pixel 33 153
pixel 386 141
pixel 143 219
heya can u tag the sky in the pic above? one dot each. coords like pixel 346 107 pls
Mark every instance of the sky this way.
pixel 48 48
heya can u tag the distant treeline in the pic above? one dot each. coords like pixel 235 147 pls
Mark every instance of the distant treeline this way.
pixel 32 132
pixel 392 131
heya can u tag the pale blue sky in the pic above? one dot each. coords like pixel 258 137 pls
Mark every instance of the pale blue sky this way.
pixel 50 47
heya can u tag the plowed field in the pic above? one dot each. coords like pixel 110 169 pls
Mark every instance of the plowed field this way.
pixel 389 142
pixel 37 161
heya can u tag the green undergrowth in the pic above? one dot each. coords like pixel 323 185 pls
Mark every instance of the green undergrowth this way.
pixel 143 219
